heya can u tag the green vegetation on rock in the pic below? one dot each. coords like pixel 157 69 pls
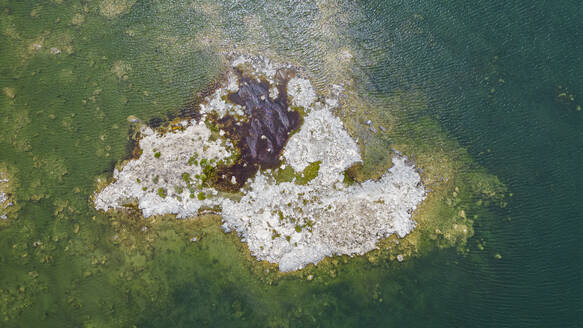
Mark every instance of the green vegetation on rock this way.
pixel 162 192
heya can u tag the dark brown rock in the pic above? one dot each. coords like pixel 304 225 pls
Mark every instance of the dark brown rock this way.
pixel 262 137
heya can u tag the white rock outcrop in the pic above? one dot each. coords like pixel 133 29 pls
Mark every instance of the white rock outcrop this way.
pixel 166 177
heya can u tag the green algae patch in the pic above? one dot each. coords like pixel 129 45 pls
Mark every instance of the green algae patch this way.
pixel 162 192
pixel 377 159
pixel 309 173
pixel 287 174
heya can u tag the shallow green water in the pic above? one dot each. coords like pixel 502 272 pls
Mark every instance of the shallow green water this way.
pixel 488 71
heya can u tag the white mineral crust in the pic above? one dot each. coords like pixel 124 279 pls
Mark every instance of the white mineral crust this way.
pixel 175 149
pixel 343 220
pixel 301 91
pixel 285 223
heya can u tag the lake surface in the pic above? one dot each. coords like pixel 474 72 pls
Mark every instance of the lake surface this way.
pixel 503 79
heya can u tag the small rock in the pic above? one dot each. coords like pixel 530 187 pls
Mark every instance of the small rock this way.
pixel 310 277
pixel 193 239
pixel 400 258
pixel 369 122
pixel 372 129
pixel 133 119
pixel 144 228
pixel 382 128
pixel 55 51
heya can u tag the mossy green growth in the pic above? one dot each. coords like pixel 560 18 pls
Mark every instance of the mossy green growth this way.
pixel 208 172
pixel 275 234
pixel 162 192
pixel 309 173
pixel 215 133
pixel 178 189
pixel 201 196
pixel 186 177
pixel 348 180
pixel 300 110
pixel 192 160
pixel 157 154
pixel 288 174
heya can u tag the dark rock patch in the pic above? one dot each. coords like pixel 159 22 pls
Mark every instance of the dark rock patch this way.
pixel 262 137
pixel 156 122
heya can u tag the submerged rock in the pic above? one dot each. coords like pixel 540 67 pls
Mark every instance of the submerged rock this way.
pixel 5 202
pixel 239 142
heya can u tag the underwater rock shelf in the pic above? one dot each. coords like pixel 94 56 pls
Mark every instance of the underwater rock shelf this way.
pixel 280 183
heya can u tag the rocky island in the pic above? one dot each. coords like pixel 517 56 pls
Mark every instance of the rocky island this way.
pixel 267 153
